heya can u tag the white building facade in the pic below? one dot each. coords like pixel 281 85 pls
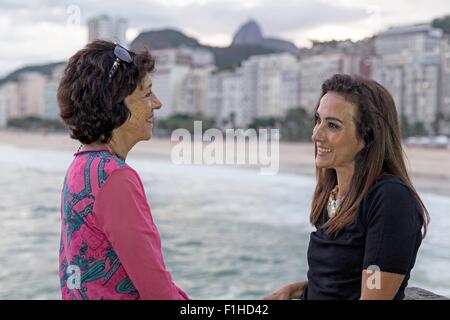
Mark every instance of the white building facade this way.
pixel 107 28
pixel 193 95
pixel 316 68
pixel 267 83
pixel 51 107
pixel 444 113
pixel 31 88
pixel 225 100
pixel 410 65
pixel 9 101
pixel 172 67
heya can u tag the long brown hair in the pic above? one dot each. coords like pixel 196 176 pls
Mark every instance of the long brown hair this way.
pixel 378 126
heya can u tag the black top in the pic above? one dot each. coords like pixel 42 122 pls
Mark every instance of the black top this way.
pixel 386 233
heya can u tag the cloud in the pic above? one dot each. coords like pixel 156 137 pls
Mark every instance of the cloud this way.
pixel 34 30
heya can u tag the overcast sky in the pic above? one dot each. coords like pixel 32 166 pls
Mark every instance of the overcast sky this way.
pixel 40 31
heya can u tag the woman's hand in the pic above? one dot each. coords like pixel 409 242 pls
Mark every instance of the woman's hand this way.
pixel 288 292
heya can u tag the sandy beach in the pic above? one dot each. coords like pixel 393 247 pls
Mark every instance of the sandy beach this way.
pixel 428 167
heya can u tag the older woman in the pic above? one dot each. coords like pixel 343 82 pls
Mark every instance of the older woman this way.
pixel 367 214
pixel 110 247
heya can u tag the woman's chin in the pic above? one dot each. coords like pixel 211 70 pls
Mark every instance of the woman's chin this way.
pixel 146 136
pixel 322 165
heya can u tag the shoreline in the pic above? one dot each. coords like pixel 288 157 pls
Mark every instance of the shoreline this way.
pixel 427 167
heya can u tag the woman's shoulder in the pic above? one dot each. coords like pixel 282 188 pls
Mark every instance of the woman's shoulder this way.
pixel 100 165
pixel 121 181
pixel 118 170
pixel 389 196
pixel 389 185
pixel 107 158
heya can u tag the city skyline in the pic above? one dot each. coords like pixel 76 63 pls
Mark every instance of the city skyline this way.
pixel 411 61
pixel 48 31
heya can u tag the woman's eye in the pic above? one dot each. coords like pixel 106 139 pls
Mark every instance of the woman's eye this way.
pixel 148 94
pixel 332 125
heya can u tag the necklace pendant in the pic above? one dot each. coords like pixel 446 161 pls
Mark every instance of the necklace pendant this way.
pixel 333 202
pixel 331 211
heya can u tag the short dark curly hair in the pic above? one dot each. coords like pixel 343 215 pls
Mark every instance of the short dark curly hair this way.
pixel 90 106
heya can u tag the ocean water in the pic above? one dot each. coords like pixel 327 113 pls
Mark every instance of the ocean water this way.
pixel 227 233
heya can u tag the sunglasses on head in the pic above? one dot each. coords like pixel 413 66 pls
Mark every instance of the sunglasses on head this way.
pixel 122 55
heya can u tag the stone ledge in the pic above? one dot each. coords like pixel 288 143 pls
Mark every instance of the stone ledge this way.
pixel 414 293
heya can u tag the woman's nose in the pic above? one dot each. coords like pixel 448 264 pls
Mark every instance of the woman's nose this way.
pixel 317 133
pixel 156 104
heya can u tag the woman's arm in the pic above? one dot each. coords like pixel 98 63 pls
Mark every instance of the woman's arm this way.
pixel 288 292
pixel 393 236
pixel 122 212
pixel 378 285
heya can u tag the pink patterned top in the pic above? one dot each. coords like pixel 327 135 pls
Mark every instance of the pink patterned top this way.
pixel 110 247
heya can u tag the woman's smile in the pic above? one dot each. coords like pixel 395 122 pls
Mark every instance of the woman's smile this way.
pixel 322 151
